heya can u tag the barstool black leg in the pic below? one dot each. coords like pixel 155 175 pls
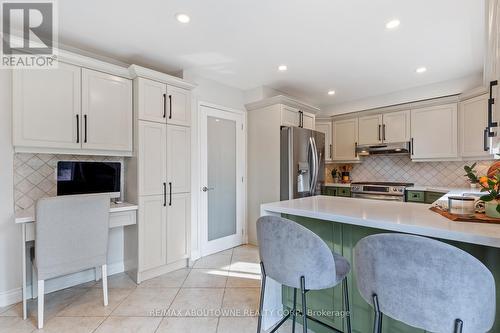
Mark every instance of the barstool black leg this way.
pixel 294 310
pixel 304 306
pixel 377 323
pixel 346 305
pixel 262 290
pixel 458 326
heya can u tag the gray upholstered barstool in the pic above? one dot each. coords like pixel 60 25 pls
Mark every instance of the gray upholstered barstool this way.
pixel 296 257
pixel 424 283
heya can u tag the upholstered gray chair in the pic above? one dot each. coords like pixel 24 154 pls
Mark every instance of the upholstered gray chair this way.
pixel 424 283
pixel 71 236
pixel 296 257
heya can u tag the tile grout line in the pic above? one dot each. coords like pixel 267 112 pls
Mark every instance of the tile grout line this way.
pixel 224 292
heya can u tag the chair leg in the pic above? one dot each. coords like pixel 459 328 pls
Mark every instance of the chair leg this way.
pixel 304 305
pixel 377 324
pixel 294 310
pixel 104 272
pixel 41 294
pixel 346 305
pixel 34 279
pixel 458 326
pixel 262 292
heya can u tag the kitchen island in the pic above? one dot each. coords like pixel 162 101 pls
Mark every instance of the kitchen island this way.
pixel 342 222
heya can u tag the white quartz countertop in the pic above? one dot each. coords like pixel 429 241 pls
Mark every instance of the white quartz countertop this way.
pixel 28 216
pixel 407 217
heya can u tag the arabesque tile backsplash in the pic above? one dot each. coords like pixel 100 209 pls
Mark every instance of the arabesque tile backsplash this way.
pixel 35 175
pixel 402 169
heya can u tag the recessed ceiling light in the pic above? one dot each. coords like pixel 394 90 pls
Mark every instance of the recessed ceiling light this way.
pixel 183 18
pixel 282 68
pixel 331 92
pixel 421 70
pixel 392 24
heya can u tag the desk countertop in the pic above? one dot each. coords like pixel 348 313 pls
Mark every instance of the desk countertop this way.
pixel 28 216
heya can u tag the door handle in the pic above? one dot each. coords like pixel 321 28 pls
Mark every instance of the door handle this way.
pixel 170 106
pixel 85 125
pixel 379 132
pixel 412 147
pixel 330 151
pixel 170 194
pixel 485 139
pixel 206 189
pixel 77 128
pixel 164 105
pixel 164 194
pixel 383 132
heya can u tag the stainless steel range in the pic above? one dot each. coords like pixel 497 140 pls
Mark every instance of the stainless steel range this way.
pixel 380 190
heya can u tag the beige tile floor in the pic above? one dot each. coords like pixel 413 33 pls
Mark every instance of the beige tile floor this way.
pixel 219 294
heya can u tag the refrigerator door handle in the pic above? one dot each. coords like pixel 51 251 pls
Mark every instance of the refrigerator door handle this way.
pixel 315 166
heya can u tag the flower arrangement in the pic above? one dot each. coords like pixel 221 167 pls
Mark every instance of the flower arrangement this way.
pixel 489 184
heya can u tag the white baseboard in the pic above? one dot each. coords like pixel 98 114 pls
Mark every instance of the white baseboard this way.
pixel 15 295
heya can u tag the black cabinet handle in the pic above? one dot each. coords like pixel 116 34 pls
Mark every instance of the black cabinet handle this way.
pixel 383 132
pixel 412 148
pixel 164 194
pixel 170 190
pixel 164 105
pixel 77 128
pixel 355 149
pixel 85 125
pixel 330 151
pixel 379 132
pixel 301 119
pixel 485 138
pixel 491 101
pixel 170 106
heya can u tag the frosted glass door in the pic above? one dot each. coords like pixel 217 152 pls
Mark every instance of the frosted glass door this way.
pixel 221 155
pixel 222 198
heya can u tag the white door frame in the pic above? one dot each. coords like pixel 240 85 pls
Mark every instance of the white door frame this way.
pixel 205 248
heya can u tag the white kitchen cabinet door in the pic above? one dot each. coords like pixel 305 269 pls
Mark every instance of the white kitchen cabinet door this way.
pixel 151 100
pixel 289 116
pixel 370 129
pixel 326 128
pixel 434 132
pixel 308 120
pixel 178 158
pixel 152 158
pixel 152 232
pixel 179 106
pixel 178 212
pixel 345 138
pixel 396 127
pixel 473 122
pixel 106 111
pixel 46 107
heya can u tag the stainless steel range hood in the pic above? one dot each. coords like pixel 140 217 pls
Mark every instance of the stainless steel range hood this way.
pixel 401 148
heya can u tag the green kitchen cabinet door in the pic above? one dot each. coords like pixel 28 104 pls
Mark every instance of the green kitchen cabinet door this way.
pixel 328 190
pixel 415 196
pixel 344 192
pixel 431 197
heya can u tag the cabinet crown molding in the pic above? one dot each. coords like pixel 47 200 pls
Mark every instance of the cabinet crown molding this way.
pixel 282 99
pixel 138 71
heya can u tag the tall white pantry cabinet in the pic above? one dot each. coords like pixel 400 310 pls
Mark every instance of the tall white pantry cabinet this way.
pixel 158 175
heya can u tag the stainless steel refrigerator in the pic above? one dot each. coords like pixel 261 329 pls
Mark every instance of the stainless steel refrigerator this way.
pixel 302 162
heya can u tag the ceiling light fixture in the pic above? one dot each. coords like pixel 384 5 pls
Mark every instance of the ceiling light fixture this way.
pixel 183 18
pixel 331 92
pixel 421 70
pixel 392 24
pixel 282 68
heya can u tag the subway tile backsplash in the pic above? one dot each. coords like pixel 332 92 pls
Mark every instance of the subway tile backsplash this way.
pixel 35 176
pixel 402 169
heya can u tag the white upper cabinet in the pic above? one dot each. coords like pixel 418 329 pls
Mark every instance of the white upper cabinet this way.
pixel 308 120
pixel 151 100
pixel 345 139
pixel 396 127
pixel 152 161
pixel 473 122
pixel 325 126
pixel 106 111
pixel 434 132
pixel 370 129
pixel 291 116
pixel 46 107
pixel 178 159
pixel 179 106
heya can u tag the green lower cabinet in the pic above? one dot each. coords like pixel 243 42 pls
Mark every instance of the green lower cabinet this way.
pixel 431 197
pixel 331 191
pixel 336 191
pixel 342 238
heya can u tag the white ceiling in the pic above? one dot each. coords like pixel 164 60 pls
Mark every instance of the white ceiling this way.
pixel 327 44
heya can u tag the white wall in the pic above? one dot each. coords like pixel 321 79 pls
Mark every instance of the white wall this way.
pixel 215 93
pixel 10 234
